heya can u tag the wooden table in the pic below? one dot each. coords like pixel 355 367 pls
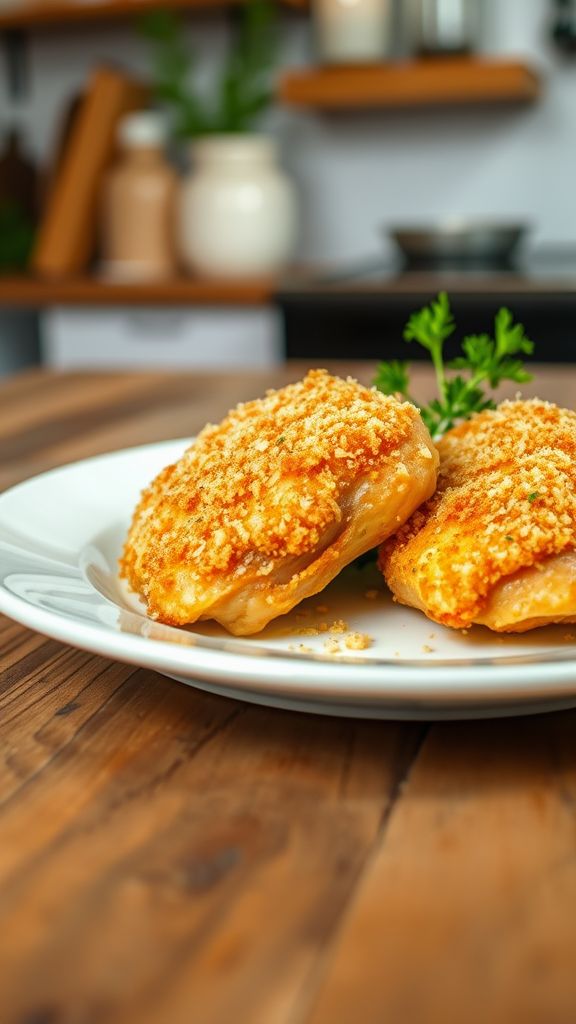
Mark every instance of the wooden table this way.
pixel 170 857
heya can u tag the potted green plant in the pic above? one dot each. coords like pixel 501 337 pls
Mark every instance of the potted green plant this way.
pixel 237 210
pixel 16 237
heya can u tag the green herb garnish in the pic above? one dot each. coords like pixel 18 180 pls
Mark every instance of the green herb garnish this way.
pixel 393 378
pixel 508 537
pixel 485 361
pixel 532 497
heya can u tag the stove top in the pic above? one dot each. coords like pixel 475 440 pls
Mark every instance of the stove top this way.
pixel 362 309
pixel 546 270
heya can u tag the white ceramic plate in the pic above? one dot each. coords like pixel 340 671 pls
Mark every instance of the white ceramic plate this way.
pixel 60 537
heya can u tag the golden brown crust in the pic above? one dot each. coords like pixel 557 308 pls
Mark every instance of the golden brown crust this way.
pixel 267 486
pixel 506 500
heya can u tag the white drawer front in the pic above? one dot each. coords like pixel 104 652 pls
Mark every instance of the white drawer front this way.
pixel 208 337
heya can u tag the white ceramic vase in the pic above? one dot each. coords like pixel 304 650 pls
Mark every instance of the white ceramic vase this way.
pixel 237 212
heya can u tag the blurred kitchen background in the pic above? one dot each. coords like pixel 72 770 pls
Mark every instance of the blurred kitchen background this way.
pixel 212 184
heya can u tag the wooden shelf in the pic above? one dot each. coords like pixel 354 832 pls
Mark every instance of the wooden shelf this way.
pixel 26 292
pixel 423 83
pixel 31 13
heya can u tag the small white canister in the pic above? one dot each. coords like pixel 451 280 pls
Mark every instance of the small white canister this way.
pixel 354 31
pixel 237 215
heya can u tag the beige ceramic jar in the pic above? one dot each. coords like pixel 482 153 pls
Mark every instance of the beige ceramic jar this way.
pixel 138 201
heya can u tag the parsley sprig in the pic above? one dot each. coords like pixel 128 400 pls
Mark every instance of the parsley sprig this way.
pixel 485 361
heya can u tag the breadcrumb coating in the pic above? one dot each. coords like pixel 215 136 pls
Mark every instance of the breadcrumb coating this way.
pixel 506 500
pixel 267 484
pixel 358 641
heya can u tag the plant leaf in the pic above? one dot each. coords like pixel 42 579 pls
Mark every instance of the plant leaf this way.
pixel 393 378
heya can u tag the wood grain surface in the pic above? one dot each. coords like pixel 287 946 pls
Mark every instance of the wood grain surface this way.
pixel 26 14
pixel 455 81
pixel 33 292
pixel 171 857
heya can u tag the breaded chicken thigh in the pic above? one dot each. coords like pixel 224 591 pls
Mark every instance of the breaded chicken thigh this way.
pixel 266 508
pixel 496 544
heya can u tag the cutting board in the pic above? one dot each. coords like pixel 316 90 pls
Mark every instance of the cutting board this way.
pixel 68 229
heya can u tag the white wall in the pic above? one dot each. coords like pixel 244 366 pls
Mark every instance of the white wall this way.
pixel 359 172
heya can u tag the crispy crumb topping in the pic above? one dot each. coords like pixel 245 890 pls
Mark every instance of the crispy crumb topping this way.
pixel 358 641
pixel 506 499
pixel 265 483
